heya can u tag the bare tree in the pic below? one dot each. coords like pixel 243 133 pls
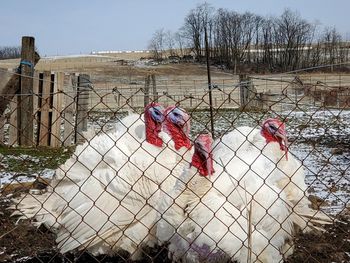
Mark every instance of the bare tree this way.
pixel 157 44
pixel 315 54
pixel 282 43
pixel 10 52
pixel 332 42
pixel 195 23
pixel 180 42
pixel 257 24
pixel 193 30
pixel 234 36
pixel 292 36
pixel 170 43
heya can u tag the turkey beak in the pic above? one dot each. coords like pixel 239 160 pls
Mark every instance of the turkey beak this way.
pixel 161 118
pixel 207 158
pixel 283 141
pixel 209 164
pixel 186 124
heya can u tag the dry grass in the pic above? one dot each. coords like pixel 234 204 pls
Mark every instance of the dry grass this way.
pixel 180 80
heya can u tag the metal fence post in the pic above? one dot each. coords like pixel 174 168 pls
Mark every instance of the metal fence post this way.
pixel 82 106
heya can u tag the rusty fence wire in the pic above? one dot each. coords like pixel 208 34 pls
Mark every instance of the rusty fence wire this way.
pixel 132 172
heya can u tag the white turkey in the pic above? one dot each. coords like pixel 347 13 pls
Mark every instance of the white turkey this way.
pixel 269 145
pixel 245 220
pixel 104 197
pixel 270 142
pixel 252 169
pixel 176 120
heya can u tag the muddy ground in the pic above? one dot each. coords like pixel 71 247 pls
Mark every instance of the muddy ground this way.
pixel 25 243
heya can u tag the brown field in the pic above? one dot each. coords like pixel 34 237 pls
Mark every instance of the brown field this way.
pixel 185 82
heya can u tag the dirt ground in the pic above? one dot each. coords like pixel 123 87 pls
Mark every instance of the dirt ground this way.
pixel 25 243
pixel 331 246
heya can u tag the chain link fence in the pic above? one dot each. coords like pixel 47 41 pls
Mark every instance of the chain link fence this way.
pixel 110 180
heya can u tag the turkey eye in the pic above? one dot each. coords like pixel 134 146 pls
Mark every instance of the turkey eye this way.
pixel 155 111
pixel 273 128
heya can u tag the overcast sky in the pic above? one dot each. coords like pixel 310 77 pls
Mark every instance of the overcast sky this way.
pixel 65 27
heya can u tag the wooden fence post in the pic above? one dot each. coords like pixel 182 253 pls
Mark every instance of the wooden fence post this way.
pixel 57 110
pixel 248 93
pixel 154 88
pixel 69 109
pixel 25 100
pixel 2 124
pixel 82 106
pixel 44 102
pixel 13 133
pixel 243 87
pixel 146 96
pixel 9 86
pixel 36 84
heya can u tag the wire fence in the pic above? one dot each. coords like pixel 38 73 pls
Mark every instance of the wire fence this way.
pixel 125 172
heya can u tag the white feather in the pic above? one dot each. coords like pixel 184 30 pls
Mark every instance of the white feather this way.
pixel 202 217
pixel 105 196
pixel 289 175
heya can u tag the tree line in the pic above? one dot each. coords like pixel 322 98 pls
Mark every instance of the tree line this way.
pixel 10 52
pixel 248 41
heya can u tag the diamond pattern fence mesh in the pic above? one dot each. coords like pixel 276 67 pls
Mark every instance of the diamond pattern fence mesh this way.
pixel 134 172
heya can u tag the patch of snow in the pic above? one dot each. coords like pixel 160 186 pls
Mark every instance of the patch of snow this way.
pixel 15 177
pixel 23 259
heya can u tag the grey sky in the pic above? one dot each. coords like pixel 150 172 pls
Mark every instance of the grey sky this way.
pixel 81 26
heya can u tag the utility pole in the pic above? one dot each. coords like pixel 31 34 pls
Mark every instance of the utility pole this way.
pixel 209 82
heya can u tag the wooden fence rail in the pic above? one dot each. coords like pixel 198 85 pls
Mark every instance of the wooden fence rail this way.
pixel 57 116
